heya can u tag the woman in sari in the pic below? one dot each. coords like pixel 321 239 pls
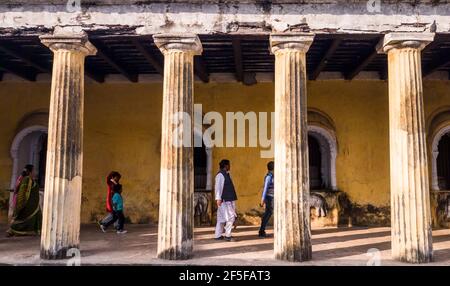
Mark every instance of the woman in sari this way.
pixel 27 215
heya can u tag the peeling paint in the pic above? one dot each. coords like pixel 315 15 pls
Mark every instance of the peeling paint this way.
pixel 178 16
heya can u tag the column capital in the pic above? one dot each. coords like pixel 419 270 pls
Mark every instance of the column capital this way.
pixel 404 40
pixel 294 41
pixel 69 38
pixel 184 42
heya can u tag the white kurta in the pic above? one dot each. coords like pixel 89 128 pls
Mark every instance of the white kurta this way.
pixel 226 213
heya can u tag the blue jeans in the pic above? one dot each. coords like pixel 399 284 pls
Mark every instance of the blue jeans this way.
pixel 267 214
pixel 115 216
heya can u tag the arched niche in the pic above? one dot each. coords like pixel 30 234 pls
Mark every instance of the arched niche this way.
pixel 438 127
pixel 26 149
pixel 198 135
pixel 27 146
pixel 328 153
pixel 321 128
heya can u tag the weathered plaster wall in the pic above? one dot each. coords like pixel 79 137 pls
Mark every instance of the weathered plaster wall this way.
pixel 17 100
pixel 123 131
pixel 150 17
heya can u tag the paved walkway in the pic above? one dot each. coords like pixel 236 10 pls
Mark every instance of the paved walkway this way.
pixel 343 246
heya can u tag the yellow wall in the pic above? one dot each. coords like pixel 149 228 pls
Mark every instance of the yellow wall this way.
pixel 360 113
pixel 122 132
pixel 16 101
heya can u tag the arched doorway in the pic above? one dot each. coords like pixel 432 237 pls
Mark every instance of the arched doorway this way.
pixel 438 139
pixel 443 162
pixel 29 147
pixel 315 160
pixel 322 150
pixel 200 168
pixel 440 175
pixel 202 181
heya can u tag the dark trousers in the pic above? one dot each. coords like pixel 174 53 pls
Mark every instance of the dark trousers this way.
pixel 112 218
pixel 267 214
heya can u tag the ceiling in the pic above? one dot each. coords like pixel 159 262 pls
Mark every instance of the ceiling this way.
pixel 240 55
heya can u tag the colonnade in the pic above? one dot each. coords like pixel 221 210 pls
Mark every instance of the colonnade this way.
pixel 410 203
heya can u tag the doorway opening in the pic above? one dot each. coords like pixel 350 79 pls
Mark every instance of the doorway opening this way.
pixel 203 194
pixel 29 147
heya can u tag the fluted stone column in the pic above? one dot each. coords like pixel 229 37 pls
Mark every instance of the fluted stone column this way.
pixel 410 201
pixel 176 207
pixel 62 199
pixel 292 215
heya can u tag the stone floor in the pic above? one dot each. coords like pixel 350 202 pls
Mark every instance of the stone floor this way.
pixel 343 246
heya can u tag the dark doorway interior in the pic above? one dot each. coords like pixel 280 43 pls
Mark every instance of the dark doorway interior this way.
pixel 315 163
pixel 202 197
pixel 443 162
pixel 200 168
pixel 42 159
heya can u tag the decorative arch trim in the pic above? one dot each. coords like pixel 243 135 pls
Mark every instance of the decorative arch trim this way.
pixel 434 155
pixel 14 152
pixel 327 137
pixel 16 145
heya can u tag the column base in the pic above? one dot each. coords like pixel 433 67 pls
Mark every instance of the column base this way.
pixel 172 254
pixel 418 258
pixel 57 255
pixel 293 257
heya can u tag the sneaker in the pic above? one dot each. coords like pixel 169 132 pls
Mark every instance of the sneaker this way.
pixel 262 234
pixel 219 238
pixel 230 239
pixel 102 227
pixel 121 231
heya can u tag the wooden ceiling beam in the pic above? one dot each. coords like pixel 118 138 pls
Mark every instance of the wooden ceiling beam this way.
pixel 16 54
pixel 326 57
pixel 42 68
pixel 19 73
pixel 361 65
pixel 384 74
pixel 249 78
pixel 104 53
pixel 153 61
pixel 200 69
pixel 440 61
pixel 238 64
pixel 98 77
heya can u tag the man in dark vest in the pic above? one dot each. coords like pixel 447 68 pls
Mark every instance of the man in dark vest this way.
pixel 267 199
pixel 226 202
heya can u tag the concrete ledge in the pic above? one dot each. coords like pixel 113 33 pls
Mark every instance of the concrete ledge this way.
pixel 206 18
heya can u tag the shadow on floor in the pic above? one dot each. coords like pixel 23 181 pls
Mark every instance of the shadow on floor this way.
pixel 441 255
pixel 230 249
pixel 240 238
pixel 141 241
pixel 334 230
pixel 350 251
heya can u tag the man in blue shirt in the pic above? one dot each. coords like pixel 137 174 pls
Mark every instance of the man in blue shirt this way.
pixel 267 199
